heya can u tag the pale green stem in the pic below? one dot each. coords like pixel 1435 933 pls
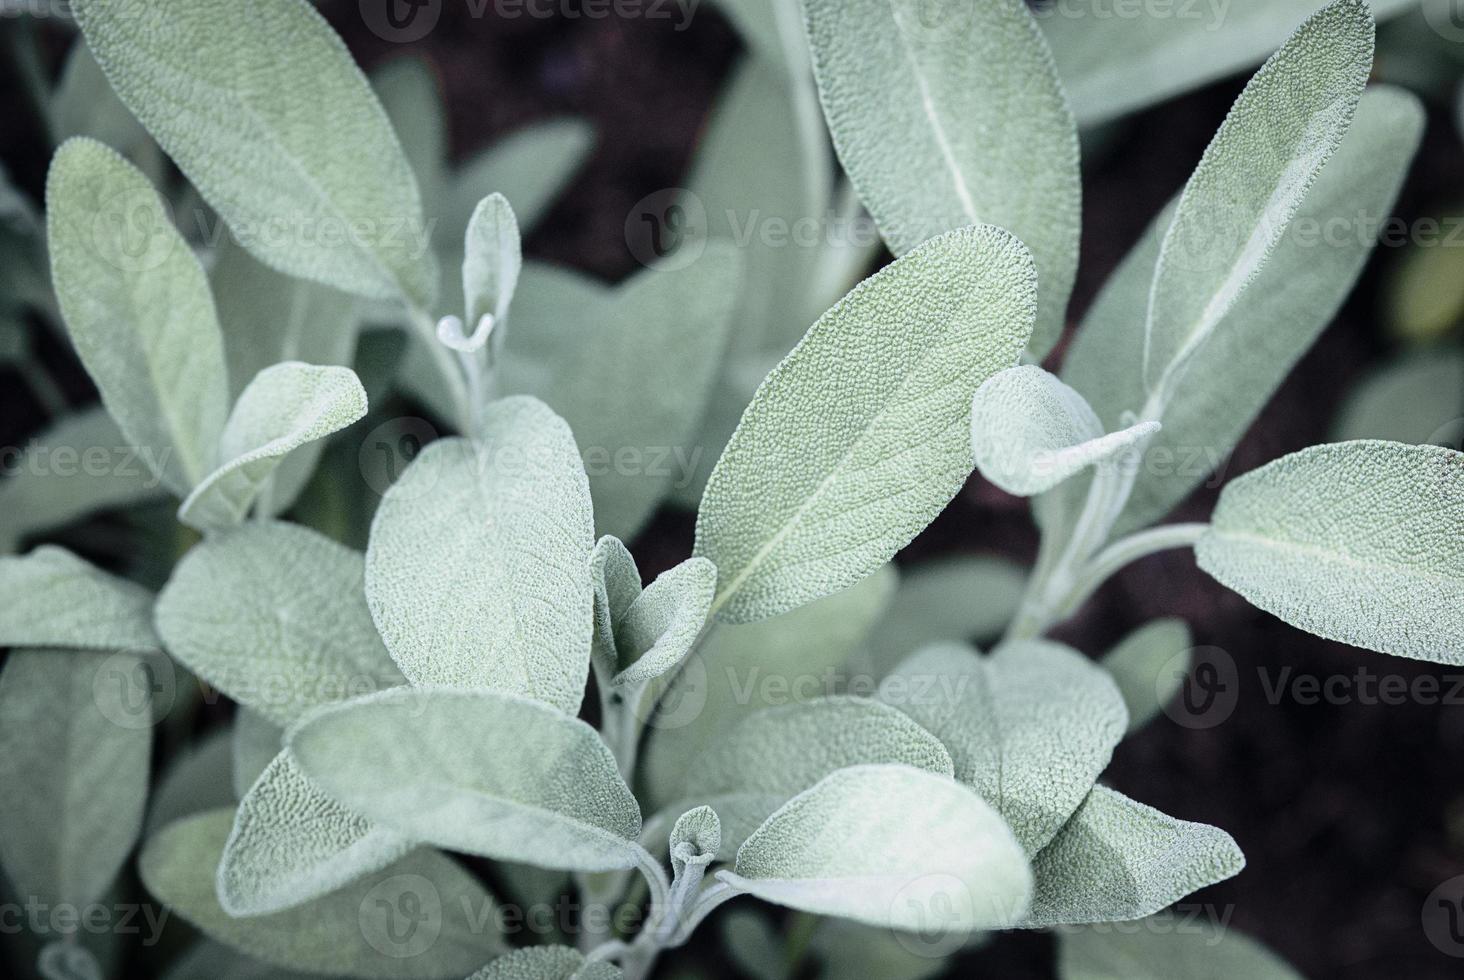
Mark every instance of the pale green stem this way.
pixel 447 365
pixel 1122 552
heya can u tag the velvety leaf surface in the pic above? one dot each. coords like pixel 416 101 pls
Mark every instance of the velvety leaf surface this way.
pixel 1165 947
pixel 55 599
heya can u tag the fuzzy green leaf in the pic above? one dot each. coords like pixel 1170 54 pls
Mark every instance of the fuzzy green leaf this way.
pixel 629 368
pixel 1419 399
pixel 742 669
pixel 1149 666
pixel 254 743
pixel 529 167
pixel 492 260
pixel 547 963
pixel 138 309
pixel 1166 947
pixel 363 931
pixel 696 839
pixel 642 634
pixel 1117 860
pixel 1252 179
pixel 75 740
pixel 884 845
pixel 446 766
pixel 1232 375
pixel 274 616
pixel 1030 727
pixel 861 436
pixel 263 109
pixel 408 89
pixel 85 105
pixel 291 843
pixel 1030 432
pixel 1112 65
pixel 286 407
pixel 948 113
pixel 196 779
pixel 478 569
pixel 773 755
pixel 54 599
pixel 1353 541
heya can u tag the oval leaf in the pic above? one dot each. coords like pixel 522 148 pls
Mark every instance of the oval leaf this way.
pixel 54 599
pixel 861 436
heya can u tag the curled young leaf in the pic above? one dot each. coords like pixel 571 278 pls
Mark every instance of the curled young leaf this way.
pixel 446 766
pixel 55 599
pixel 287 406
pixel 1117 860
pixel 884 845
pixel 478 569
pixel 1353 541
pixel 1030 432
pixel 860 437
pixel 644 634
pixel 695 840
pixel 492 260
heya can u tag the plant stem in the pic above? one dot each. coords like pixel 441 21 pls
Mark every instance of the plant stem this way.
pixel 448 367
pixel 1122 552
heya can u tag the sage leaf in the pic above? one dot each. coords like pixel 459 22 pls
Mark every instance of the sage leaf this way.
pixel 196 779
pixel 860 437
pixel 1417 399
pixel 850 950
pixel 76 733
pixel 408 90
pixel 530 167
pixel 35 498
pixel 1030 727
pixel 696 838
pixel 445 766
pixel 740 669
pixel 291 843
pixel 477 573
pixel 209 960
pixel 137 306
pixel 254 743
pixel 54 599
pixel 547 963
pixel 948 113
pixel 1118 860
pixel 284 97
pixel 946 600
pixel 630 369
pixel 1114 65
pixel 883 845
pixel 1252 179
pixel 1149 666
pixel 274 615
pixel 642 634
pixel 85 105
pixel 1355 541
pixel 1164 948
pixel 287 406
pixel 1233 374
pixel 492 260
pixel 355 932
pixel 1030 432
pixel 777 753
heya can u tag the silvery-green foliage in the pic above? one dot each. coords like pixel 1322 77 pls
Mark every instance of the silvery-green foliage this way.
pixel 522 623
pixel 342 934
pixel 883 845
pixel 858 439
pixel 1149 667
pixel 285 407
pixel 949 113
pixel 574 343
pixel 85 105
pixel 641 634
pixel 1353 541
pixel 1029 726
pixel 1030 432
pixel 199 778
pixel 529 167
pixel 1252 179
pixel 1117 860
pixel 1114 65
pixel 492 261
pixel 55 599
pixel 1415 399
pixel 1278 317
pixel 1164 947
pixel 35 498
pixel 546 963
pixel 775 754
pixel 274 615
pixel 696 839
pixel 254 742
pixel 265 112
pixel 408 90
pixel 138 309
pixel 75 740
pixel 846 949
pixel 431 764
